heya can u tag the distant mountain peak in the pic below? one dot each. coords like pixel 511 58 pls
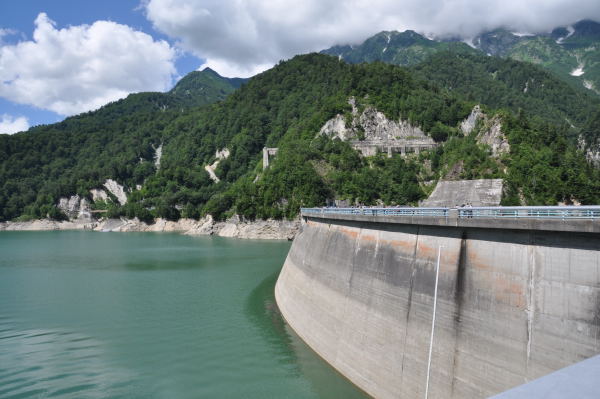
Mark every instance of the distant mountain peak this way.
pixel 572 52
pixel 210 70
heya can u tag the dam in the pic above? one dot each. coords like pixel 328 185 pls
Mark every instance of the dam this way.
pixel 518 295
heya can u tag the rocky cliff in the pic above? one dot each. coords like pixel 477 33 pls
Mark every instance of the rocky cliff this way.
pixel 488 130
pixel 372 126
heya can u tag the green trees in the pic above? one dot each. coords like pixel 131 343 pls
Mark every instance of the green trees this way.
pixel 285 107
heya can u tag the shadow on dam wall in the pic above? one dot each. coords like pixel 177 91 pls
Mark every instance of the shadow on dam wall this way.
pixel 513 305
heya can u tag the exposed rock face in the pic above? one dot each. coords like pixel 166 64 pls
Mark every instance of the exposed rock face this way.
pixel 492 135
pixel 592 152
pixel 375 125
pixel 378 127
pixel 482 192
pixel 75 208
pixel 490 132
pixel 158 156
pixel 117 190
pixel 233 227
pixel 210 169
pixel 371 131
pixel 336 127
pixel 160 225
pixel 593 157
pixel 45 224
pixel 261 229
pixel 98 194
pixel 204 227
pixel 469 124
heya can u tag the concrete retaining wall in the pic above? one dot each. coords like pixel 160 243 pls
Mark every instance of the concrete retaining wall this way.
pixel 513 305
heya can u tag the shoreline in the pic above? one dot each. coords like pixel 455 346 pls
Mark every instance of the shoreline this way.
pixel 234 227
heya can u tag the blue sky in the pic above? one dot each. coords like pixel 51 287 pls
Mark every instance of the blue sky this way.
pixel 64 57
pixel 19 17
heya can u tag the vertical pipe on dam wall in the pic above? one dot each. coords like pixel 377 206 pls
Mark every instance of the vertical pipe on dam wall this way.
pixel 513 305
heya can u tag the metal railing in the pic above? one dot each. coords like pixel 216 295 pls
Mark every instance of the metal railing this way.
pixel 513 212
pixel 536 212
pixel 379 211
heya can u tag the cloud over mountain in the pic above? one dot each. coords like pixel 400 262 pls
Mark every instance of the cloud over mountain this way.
pixel 10 124
pixel 242 38
pixel 80 68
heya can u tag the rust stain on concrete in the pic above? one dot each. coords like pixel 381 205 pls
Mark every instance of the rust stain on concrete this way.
pixel 505 290
pixel 349 232
pixel 477 262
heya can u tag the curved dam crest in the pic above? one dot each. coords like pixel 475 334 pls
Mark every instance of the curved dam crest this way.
pixel 513 304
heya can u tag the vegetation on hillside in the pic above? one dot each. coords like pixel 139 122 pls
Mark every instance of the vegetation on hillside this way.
pixel 285 107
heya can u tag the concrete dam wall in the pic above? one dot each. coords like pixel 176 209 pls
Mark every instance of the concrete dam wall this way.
pixel 513 304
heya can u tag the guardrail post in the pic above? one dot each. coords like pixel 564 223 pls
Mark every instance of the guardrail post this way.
pixel 452 216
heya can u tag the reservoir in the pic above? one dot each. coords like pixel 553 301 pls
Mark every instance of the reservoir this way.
pixel 142 315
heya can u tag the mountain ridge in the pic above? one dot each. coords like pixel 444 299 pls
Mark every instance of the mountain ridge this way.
pixel 572 53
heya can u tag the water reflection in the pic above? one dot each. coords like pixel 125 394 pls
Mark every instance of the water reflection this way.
pixel 262 310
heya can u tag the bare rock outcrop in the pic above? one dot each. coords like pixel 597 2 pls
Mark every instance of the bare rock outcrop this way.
pixel 371 125
pixel 75 208
pixel 493 136
pixel 203 227
pixel 593 157
pixel 336 127
pixel 261 229
pixel 98 194
pixel 45 225
pixel 210 169
pixel 117 190
pixel 135 225
pixel 470 123
pixel 158 156
pixel 234 227
pixel 370 132
pixel 489 131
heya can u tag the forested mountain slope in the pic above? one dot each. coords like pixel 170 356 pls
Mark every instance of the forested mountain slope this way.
pixel 118 141
pixel 286 107
pixel 572 53
pixel 513 85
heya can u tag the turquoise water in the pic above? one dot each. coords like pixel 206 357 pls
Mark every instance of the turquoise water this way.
pixel 141 315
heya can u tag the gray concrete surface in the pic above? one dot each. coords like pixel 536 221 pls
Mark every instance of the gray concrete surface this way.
pixel 513 304
pixel 579 381
pixel 482 192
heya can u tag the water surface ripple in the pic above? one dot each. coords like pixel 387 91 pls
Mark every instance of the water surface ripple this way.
pixel 141 315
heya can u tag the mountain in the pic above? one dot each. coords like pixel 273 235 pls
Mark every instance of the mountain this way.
pixel 81 152
pixel 399 48
pixel 503 83
pixel 205 87
pixel 290 107
pixel 572 53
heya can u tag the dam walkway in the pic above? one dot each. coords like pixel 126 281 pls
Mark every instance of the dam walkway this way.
pixel 550 218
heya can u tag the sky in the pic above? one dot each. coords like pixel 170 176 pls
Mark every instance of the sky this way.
pixel 63 57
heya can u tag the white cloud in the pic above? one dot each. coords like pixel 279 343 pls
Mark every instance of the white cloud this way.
pixel 245 36
pixel 6 32
pixel 10 124
pixel 81 68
